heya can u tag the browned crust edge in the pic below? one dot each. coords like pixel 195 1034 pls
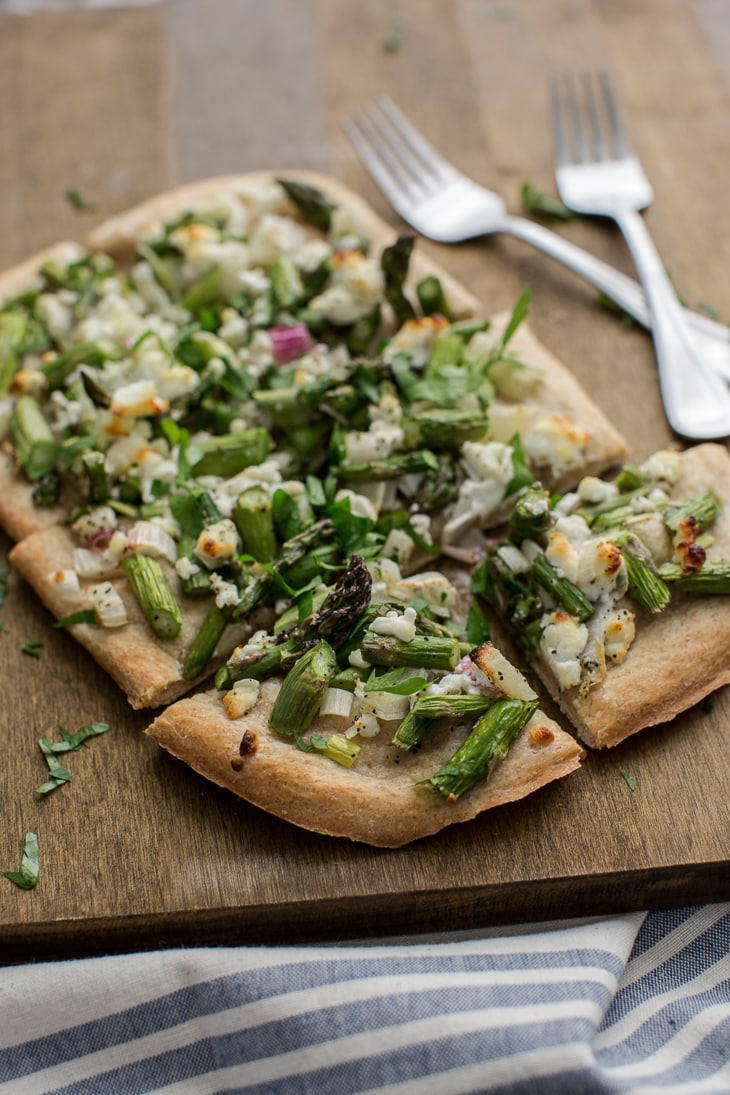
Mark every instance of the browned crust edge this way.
pixel 374 802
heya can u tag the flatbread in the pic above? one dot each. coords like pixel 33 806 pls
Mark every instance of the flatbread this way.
pixel 148 669
pixel 680 655
pixel 377 800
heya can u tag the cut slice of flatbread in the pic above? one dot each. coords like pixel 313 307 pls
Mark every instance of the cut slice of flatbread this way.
pixel 377 801
pixel 680 655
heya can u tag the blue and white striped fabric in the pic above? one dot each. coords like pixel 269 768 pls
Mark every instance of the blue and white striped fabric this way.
pixel 633 1004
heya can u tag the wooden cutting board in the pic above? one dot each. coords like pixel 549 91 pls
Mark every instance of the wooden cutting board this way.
pixel 138 851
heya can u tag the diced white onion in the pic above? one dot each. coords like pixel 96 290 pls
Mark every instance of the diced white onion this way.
pixel 148 538
pixel 110 610
pixel 65 585
pixel 336 702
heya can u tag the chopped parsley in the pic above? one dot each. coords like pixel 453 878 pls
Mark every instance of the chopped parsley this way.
pixel 26 878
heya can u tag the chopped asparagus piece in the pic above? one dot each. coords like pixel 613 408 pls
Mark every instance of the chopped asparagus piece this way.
pixel 95 468
pixel 152 590
pixel 445 428
pixel 487 744
pixel 302 689
pixel 205 642
pixel 256 524
pixel 712 577
pixel 391 467
pixel 565 592
pixel 31 435
pixel 431 297
pixel 703 509
pixel 424 651
pixel 645 585
pixel 232 452
pixel 311 202
pixel 13 326
pixel 530 517
pixel 394 262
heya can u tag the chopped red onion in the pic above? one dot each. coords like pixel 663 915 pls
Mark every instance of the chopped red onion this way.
pixel 289 342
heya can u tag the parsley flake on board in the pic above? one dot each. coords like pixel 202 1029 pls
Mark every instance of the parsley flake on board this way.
pixel 630 781
pixel 70 742
pixel 32 647
pixel 77 202
pixel 26 878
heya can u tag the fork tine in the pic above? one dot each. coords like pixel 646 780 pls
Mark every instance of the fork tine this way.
pixel 597 140
pixel 386 173
pixel 620 139
pixel 429 158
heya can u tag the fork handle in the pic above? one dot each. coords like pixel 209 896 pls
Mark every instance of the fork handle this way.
pixel 714 337
pixel 696 401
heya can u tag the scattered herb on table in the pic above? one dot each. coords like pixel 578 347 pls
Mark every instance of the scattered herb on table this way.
pixel 4 572
pixel 536 202
pixel 77 202
pixel 32 647
pixel 630 781
pixel 709 702
pixel 70 742
pixel 26 878
pixel 395 37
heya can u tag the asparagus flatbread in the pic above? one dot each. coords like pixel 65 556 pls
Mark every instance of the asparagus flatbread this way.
pixel 619 591
pixel 236 387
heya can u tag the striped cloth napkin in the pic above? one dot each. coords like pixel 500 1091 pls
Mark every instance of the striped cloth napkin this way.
pixel 633 1004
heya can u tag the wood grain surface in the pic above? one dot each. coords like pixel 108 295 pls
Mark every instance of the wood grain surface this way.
pixel 119 103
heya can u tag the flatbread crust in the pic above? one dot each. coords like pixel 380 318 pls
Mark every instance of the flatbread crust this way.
pixel 680 655
pixel 376 801
pixel 148 669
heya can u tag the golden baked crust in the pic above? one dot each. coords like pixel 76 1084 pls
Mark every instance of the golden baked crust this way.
pixel 376 801
pixel 680 655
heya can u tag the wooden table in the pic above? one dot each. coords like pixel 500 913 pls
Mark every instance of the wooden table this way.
pixel 120 103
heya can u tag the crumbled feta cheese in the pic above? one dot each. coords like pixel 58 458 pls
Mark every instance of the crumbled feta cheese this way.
pixel 431 586
pixel 355 287
pixel 96 520
pixel 366 725
pixel 362 446
pixel 601 569
pixel 217 543
pixel 273 236
pixel 561 645
pixel 555 442
pixel 592 489
pixel 416 338
pixel 620 632
pixel 138 400
pixel 241 698
pixel 402 627
pixel 186 568
pixel 226 593
pixel 663 465
pixel 360 506
pixel 562 555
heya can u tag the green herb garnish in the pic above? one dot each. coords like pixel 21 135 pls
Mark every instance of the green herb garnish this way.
pixel 26 878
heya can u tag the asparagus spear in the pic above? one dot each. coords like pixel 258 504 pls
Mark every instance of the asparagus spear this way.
pixel 426 651
pixel 394 262
pixel 712 577
pixel 95 467
pixel 431 297
pixel 293 552
pixel 703 509
pixel 286 283
pixel 427 709
pixel 390 467
pixel 487 744
pixel 204 291
pixel 152 590
pixel 645 585
pixel 310 201
pixel 31 435
pixel 205 642
pixel 13 326
pixel 256 524
pixel 530 517
pixel 565 592
pixel 232 452
pixel 444 428
pixel 302 690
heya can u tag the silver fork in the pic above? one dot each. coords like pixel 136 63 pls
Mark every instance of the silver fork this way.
pixel 444 205
pixel 597 173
